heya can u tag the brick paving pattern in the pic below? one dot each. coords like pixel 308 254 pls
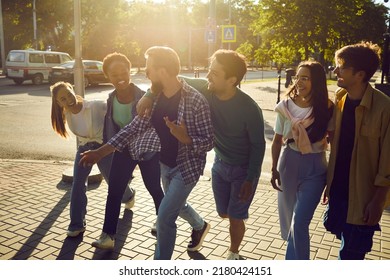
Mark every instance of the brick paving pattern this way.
pixel 34 211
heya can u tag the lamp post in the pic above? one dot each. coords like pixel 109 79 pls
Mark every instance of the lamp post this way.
pixel 67 175
pixel 78 64
pixel 230 20
pixel 35 26
pixel 212 16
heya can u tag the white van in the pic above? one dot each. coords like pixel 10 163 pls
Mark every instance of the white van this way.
pixel 22 65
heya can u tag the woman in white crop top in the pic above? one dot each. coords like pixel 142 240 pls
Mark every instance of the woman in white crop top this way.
pixel 85 119
pixel 302 127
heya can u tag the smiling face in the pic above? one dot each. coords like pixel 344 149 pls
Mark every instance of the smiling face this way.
pixel 303 82
pixel 217 81
pixel 346 78
pixel 119 75
pixel 66 99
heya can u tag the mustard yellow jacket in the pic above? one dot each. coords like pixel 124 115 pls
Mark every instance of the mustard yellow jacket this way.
pixel 370 163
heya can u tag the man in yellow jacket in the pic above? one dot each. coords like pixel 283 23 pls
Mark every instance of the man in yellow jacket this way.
pixel 358 179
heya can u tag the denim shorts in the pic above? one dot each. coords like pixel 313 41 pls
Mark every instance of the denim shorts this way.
pixel 227 181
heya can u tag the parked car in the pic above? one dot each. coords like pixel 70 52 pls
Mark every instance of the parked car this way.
pixel 22 65
pixel 93 73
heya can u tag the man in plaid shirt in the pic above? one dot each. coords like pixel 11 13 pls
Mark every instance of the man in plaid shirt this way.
pixel 182 120
pixel 239 140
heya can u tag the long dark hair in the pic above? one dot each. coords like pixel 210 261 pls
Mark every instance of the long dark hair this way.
pixel 58 119
pixel 322 106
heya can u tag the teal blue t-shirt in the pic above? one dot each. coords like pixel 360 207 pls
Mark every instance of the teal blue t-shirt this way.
pixel 122 113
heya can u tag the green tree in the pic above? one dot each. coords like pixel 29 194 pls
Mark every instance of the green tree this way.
pixel 299 29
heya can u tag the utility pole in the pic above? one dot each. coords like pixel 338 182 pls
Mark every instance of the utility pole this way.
pixel 78 64
pixel 35 26
pixel 230 20
pixel 190 49
pixel 67 175
pixel 212 17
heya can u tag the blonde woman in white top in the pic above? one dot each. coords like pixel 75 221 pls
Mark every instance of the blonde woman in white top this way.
pixel 85 119
pixel 299 169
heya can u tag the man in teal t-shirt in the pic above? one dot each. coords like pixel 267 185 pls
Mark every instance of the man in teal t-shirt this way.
pixel 239 141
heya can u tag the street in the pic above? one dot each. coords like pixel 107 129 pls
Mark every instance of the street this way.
pixel 25 130
pixel 35 200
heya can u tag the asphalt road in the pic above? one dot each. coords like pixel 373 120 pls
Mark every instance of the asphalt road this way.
pixel 25 125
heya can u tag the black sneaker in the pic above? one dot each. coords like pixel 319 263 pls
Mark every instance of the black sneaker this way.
pixel 153 229
pixel 197 238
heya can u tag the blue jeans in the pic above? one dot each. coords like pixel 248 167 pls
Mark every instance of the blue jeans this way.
pixel 303 181
pixel 78 196
pixel 226 182
pixel 174 204
pixel 122 169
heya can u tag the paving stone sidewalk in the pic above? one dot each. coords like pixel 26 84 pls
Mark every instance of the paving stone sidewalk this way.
pixel 34 215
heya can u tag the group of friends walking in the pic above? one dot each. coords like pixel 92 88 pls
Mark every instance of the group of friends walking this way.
pixel 168 130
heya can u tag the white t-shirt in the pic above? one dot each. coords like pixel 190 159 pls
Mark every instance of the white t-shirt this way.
pixel 88 124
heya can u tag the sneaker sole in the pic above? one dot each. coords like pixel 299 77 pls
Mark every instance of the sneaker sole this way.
pixel 201 240
pixel 75 233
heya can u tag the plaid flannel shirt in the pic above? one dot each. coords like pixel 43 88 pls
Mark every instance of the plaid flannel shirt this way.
pixel 137 141
pixel 195 112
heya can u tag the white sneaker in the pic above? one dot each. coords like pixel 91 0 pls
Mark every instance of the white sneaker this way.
pixel 232 256
pixel 74 233
pixel 130 204
pixel 105 242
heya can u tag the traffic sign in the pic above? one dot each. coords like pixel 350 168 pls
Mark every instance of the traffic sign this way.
pixel 209 36
pixel 228 33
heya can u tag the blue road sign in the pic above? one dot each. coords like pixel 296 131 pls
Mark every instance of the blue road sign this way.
pixel 229 33
pixel 209 36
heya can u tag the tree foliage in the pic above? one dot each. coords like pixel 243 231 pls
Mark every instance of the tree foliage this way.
pixel 283 31
pixel 294 30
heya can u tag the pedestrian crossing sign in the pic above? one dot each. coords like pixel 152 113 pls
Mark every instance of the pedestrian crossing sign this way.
pixel 229 33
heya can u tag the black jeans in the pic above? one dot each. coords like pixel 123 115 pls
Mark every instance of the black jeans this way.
pixel 122 168
pixel 356 241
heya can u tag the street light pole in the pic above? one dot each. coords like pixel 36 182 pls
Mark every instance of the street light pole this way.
pixel 78 64
pixel 212 17
pixel 35 26
pixel 230 20
pixel 67 175
pixel 190 49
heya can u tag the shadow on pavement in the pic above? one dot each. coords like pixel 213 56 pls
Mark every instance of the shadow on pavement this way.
pixel 123 229
pixel 196 255
pixel 43 228
pixel 266 89
pixel 69 247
